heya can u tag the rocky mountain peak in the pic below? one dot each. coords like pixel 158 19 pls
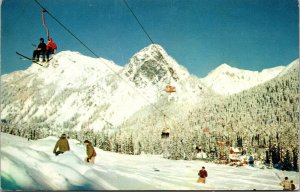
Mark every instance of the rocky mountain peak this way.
pixel 152 65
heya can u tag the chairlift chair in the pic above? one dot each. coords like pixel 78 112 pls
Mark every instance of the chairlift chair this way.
pixel 166 131
pixel 170 89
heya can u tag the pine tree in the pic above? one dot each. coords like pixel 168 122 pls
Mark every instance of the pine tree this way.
pixel 287 162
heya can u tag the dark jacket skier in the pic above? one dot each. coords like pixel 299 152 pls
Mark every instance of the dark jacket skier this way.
pixel 40 50
pixel 62 144
pixel 251 161
pixel 90 151
pixel 293 187
pixel 202 175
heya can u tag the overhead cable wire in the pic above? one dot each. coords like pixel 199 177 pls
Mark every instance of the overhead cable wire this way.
pixel 138 21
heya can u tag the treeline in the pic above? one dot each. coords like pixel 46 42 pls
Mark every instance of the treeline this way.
pixel 262 121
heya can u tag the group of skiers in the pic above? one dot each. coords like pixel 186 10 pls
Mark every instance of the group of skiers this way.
pixel 288 185
pixel 63 145
pixel 43 50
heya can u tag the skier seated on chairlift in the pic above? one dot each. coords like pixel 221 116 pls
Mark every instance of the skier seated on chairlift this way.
pixel 40 50
pixel 50 48
pixel 43 50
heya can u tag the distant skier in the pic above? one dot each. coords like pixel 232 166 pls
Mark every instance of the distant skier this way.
pixel 62 144
pixel 293 187
pixel 251 161
pixel 50 48
pixel 202 175
pixel 200 154
pixel 286 184
pixel 90 151
pixel 40 50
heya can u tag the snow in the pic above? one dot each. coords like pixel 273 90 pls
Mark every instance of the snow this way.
pixel 76 92
pixel 227 80
pixel 292 65
pixel 31 165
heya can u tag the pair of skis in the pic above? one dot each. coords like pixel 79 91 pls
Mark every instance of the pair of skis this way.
pixel 25 57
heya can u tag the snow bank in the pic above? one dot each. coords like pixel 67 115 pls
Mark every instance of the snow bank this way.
pixel 31 165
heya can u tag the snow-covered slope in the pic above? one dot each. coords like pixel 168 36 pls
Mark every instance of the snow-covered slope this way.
pixel 73 87
pixel 292 66
pixel 227 80
pixel 31 165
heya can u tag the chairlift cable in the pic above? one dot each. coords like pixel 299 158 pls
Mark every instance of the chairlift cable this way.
pixel 136 18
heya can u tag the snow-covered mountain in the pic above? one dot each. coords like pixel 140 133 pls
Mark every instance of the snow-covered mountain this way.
pixel 227 80
pixel 151 69
pixel 74 88
pixel 153 65
pixel 76 91
pixel 80 92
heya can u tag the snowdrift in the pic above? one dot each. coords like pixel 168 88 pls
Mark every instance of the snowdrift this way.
pixel 31 165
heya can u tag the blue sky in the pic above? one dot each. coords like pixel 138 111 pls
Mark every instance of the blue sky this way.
pixel 198 34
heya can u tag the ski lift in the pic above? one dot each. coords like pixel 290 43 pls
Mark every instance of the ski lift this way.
pixel 50 47
pixel 221 143
pixel 206 130
pixel 166 131
pixel 170 89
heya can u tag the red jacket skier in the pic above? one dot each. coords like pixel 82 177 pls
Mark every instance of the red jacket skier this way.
pixel 51 47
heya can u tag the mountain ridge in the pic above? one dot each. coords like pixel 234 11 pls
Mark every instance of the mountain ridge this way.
pixel 79 92
pixel 226 80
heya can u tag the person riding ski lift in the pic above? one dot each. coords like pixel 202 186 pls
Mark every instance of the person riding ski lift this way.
pixel 50 48
pixel 40 50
